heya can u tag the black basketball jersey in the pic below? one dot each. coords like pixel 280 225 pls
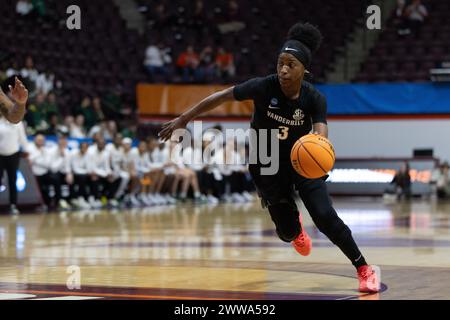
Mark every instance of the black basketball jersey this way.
pixel 273 110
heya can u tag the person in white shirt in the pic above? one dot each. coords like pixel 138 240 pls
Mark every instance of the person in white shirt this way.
pixel 233 170
pixel 118 165
pixel 29 71
pixel 213 158
pixel 143 167
pixel 24 7
pixel 157 174
pixel 13 70
pixel 208 185
pixel 79 165
pixel 12 139
pixel 40 160
pixel 60 171
pixel 441 179
pixel 416 13
pixel 129 163
pixel 183 174
pixel 103 183
pixel 156 59
pixel 45 83
pixel 76 127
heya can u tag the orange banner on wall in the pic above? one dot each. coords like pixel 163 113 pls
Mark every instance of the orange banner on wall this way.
pixel 175 99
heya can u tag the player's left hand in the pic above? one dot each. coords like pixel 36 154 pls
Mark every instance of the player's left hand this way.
pixel 19 93
pixel 169 127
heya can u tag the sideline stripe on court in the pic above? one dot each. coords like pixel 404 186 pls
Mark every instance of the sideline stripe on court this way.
pixel 118 295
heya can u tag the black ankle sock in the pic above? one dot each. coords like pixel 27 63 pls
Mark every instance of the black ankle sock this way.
pixel 359 262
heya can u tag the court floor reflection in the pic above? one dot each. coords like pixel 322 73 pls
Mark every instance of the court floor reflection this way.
pixel 223 251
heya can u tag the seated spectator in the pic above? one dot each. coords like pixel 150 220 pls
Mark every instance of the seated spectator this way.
pixel 36 117
pixel 40 8
pixel 209 185
pixel 54 127
pixel 77 129
pixel 187 63
pixel 129 131
pixel 184 174
pixel 45 83
pixel 24 7
pixel 99 114
pixel 225 64
pixel 441 179
pixel 112 106
pixel 206 68
pixel 79 165
pixel 157 176
pixel 143 167
pixel 129 157
pixel 163 155
pixel 106 129
pixel 233 11
pixel 400 18
pixel 249 186
pixel 88 112
pixel 118 165
pixel 68 123
pixel 156 60
pixel 40 161
pixel 29 71
pixel 198 18
pixel 160 16
pixel 234 171
pixel 193 160
pixel 60 171
pixel 416 13
pixel 13 71
pixel 50 105
pixel 104 184
pixel 111 130
pixel 230 21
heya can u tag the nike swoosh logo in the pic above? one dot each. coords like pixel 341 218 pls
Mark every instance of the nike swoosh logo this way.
pixel 271 107
pixel 290 49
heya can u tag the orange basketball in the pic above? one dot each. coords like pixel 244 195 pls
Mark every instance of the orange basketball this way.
pixel 313 156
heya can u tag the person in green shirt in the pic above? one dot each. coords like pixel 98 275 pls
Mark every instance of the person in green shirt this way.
pixel 39 8
pixel 37 117
pixel 88 112
pixel 50 105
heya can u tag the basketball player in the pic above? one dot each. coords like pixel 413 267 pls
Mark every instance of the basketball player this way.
pixel 278 100
pixel 14 111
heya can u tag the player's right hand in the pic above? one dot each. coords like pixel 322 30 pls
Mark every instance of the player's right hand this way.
pixel 19 93
pixel 169 127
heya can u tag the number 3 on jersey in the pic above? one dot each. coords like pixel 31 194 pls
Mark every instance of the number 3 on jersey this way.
pixel 284 133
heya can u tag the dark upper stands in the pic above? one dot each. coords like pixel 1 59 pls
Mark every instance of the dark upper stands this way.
pixel 105 53
pixel 90 61
pixel 397 58
pixel 267 22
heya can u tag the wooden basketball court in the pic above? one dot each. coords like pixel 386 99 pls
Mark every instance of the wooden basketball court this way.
pixel 221 252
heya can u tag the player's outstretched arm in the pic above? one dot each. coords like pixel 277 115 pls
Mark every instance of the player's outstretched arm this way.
pixel 205 105
pixel 14 111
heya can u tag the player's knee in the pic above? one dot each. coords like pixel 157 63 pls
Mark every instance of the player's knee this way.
pixel 288 234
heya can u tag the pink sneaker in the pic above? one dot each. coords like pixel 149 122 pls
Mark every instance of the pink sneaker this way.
pixel 303 243
pixel 369 280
